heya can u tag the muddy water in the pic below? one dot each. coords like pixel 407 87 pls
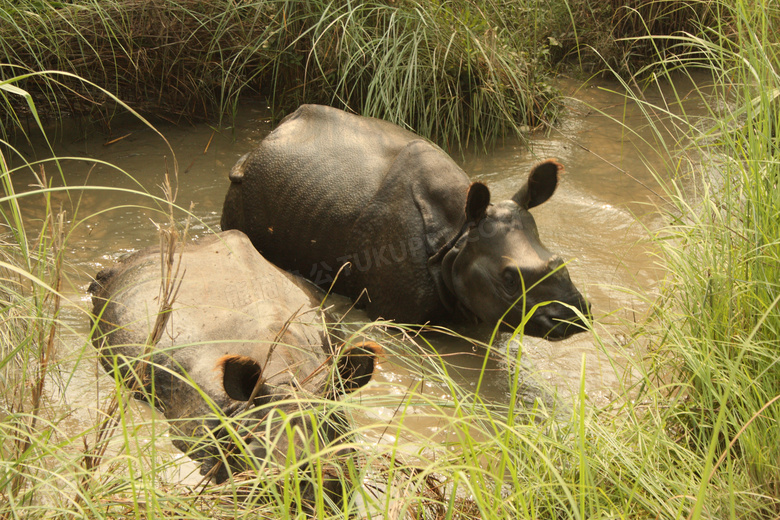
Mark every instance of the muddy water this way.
pixel 595 220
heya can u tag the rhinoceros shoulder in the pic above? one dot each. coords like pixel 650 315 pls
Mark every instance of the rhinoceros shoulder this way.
pixel 417 208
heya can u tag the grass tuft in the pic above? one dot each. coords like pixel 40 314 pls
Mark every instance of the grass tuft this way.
pixel 453 71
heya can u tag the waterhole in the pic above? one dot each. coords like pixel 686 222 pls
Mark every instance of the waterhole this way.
pixel 597 220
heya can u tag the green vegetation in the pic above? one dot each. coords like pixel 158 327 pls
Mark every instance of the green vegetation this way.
pixel 460 72
pixel 614 32
pixel 697 438
pixel 720 309
pixel 453 71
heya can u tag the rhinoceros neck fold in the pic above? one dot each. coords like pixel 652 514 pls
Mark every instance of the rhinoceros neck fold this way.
pixel 440 268
pixel 438 257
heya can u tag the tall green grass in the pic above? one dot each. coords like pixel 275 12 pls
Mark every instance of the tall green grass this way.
pixel 718 319
pixel 456 71
pixel 45 467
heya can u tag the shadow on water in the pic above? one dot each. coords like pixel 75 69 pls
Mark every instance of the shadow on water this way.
pixel 595 220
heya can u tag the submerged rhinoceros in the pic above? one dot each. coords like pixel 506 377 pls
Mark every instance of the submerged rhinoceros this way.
pixel 326 188
pixel 243 342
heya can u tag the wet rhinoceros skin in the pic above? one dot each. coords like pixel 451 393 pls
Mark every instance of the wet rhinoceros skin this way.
pixel 235 318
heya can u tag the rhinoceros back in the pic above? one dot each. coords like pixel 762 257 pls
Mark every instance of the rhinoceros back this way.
pixel 230 301
pixel 300 192
pixel 326 188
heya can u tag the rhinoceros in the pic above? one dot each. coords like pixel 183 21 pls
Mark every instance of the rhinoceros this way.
pixel 243 342
pixel 327 188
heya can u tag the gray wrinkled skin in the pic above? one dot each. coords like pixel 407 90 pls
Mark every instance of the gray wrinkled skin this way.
pixel 327 188
pixel 230 308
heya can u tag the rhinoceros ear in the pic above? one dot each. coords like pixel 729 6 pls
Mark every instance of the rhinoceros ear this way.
pixel 356 363
pixel 240 376
pixel 541 184
pixel 477 202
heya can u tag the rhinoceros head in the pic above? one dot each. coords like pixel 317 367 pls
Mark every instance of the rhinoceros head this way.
pixel 499 270
pixel 283 419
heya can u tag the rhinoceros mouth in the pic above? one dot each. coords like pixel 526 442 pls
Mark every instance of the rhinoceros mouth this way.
pixel 564 329
pixel 553 322
pixel 561 323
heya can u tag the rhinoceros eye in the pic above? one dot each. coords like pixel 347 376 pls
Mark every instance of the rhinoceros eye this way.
pixel 511 278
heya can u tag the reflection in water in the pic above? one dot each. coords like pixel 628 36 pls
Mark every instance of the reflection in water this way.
pixel 594 220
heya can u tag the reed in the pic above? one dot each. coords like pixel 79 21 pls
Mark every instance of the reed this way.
pixel 718 319
pixel 628 35
pixel 454 71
